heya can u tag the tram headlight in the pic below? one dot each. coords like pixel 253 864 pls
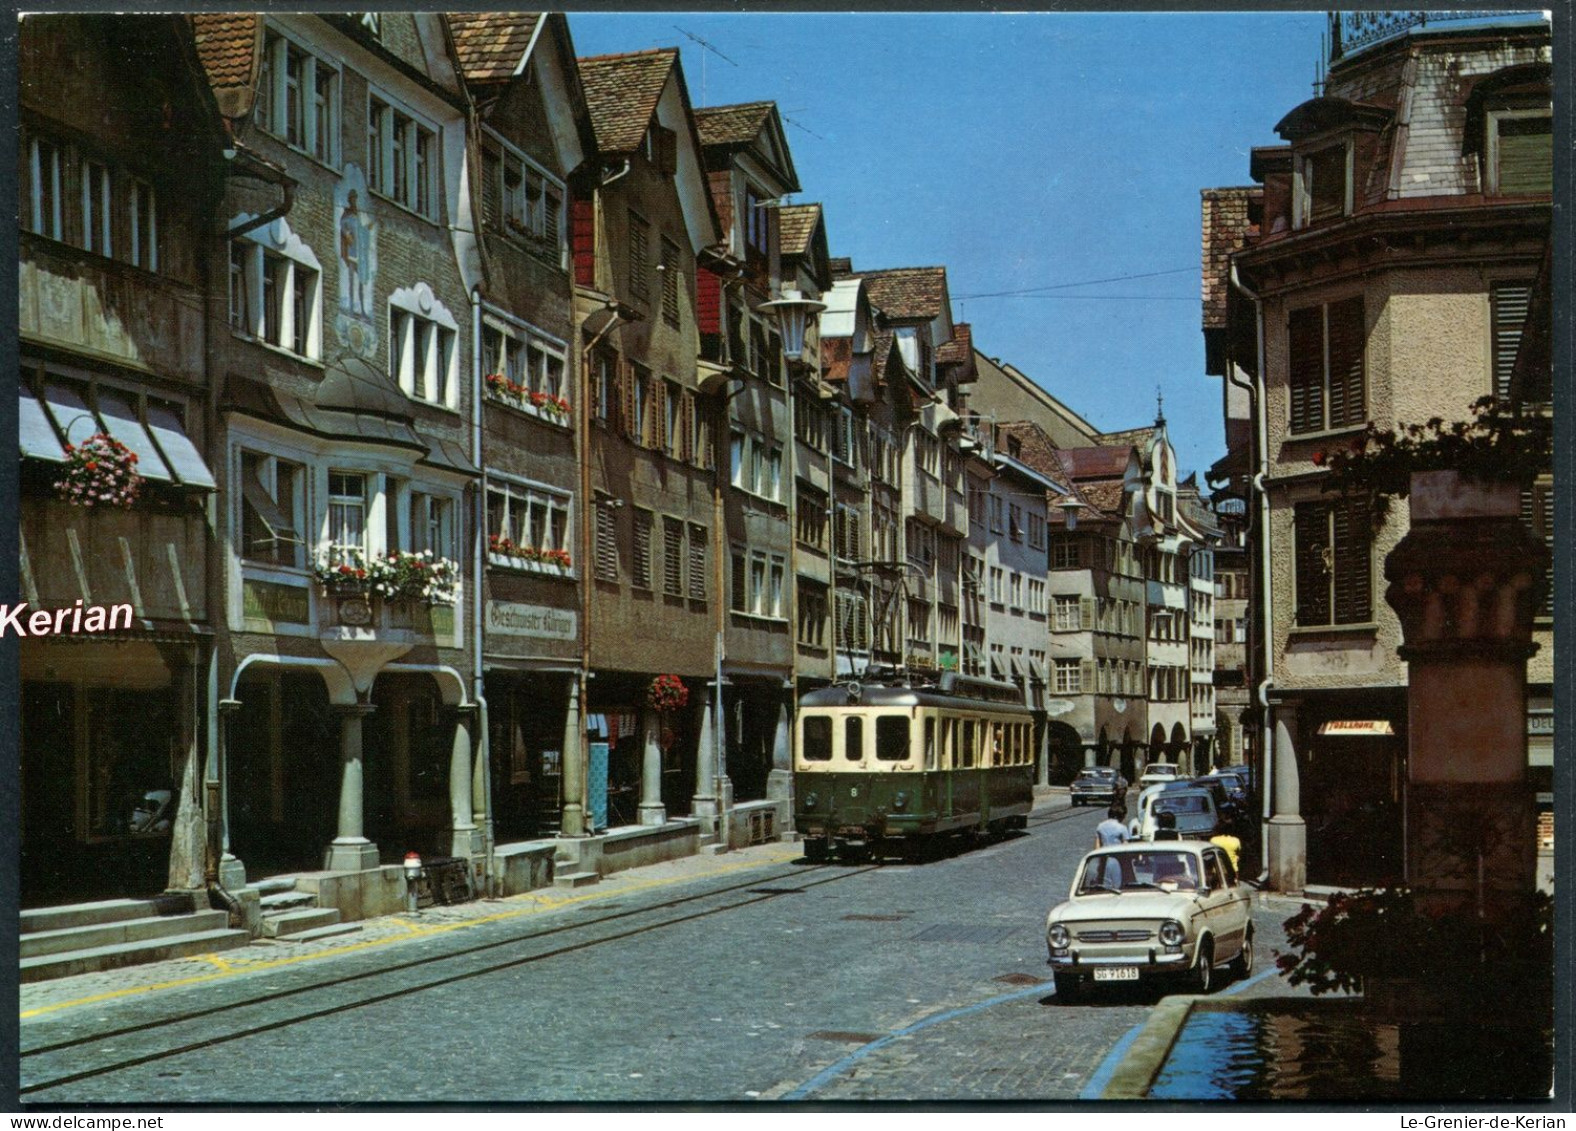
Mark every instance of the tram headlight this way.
pixel 1058 936
pixel 900 801
pixel 810 800
pixel 1171 933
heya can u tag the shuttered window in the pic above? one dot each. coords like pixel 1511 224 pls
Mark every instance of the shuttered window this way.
pixel 639 258
pixel 1334 564
pixel 739 583
pixel 671 267
pixel 1508 312
pixel 1537 511
pixel 1326 377
pixel 606 543
pixel 697 562
pixel 1524 153
pixel 644 520
pixel 672 557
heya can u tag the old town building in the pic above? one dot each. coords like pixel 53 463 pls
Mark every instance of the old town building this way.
pixel 1382 273
pixel 535 140
pixel 120 177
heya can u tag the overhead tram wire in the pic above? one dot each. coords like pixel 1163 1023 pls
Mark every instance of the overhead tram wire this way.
pixel 1080 283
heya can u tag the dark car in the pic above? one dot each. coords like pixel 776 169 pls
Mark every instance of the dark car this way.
pixel 1100 784
pixel 1237 786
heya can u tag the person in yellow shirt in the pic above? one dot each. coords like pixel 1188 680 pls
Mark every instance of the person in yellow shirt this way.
pixel 1232 847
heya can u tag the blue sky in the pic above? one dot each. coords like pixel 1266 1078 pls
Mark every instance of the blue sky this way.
pixel 1022 151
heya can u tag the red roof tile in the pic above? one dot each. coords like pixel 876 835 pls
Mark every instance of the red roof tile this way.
pixel 1094 463
pixel 960 349
pixel 490 45
pixel 1128 438
pixel 622 92
pixel 796 227
pixel 226 43
pixel 731 125
pixel 907 293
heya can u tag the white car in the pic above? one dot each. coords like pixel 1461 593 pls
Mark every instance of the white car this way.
pixel 1158 773
pixel 1143 911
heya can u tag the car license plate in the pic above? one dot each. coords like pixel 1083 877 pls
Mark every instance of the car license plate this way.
pixel 1116 973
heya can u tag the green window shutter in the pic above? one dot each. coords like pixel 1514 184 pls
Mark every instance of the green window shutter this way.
pixel 1312 535
pixel 1526 155
pixel 1086 676
pixel 1086 613
pixel 1353 559
pixel 1305 373
pixel 1348 333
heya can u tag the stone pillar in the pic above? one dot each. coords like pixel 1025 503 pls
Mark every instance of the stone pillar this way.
pixel 232 872
pixel 651 809
pixel 1288 834
pixel 466 840
pixel 350 850
pixel 1466 582
pixel 779 783
pixel 1090 759
pixel 704 805
pixel 572 821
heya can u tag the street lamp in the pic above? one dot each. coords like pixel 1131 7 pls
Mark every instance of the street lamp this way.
pixel 1070 508
pixel 792 313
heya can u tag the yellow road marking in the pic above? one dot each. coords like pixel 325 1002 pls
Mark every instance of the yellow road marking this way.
pixel 540 901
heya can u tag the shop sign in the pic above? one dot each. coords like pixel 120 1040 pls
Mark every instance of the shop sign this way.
pixel 1540 724
pixel 1357 728
pixel 543 622
pixel 275 603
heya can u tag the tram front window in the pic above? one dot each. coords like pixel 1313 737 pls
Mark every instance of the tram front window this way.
pixel 854 739
pixel 815 743
pixel 892 738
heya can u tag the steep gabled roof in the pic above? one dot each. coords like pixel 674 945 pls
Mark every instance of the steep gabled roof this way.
pixel 227 44
pixel 908 293
pixel 796 227
pixel 731 125
pixel 960 350
pixel 1128 438
pixel 490 46
pixel 622 92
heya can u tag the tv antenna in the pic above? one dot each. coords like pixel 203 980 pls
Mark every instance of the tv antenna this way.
pixel 798 125
pixel 706 45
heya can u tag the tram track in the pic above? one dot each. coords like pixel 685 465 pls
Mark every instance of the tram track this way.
pixel 757 889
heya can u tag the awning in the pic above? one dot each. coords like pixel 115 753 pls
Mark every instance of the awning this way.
pixel 121 421
pixel 1037 670
pixel 1357 728
pixel 1017 666
pixel 974 655
pixel 164 452
pixel 997 668
pixel 179 451
pixel 280 527
pixel 36 439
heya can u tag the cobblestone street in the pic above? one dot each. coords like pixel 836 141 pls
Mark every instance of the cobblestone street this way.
pixel 730 978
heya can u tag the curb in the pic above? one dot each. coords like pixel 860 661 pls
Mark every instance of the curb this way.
pixel 1144 1058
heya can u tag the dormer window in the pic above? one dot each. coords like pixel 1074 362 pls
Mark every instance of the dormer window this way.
pixel 1323 188
pixel 1520 157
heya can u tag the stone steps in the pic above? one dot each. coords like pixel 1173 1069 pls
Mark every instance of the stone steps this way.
pixel 67 963
pixel 325 932
pixel 105 911
pixel 574 879
pixel 294 922
pixel 36 944
pixel 292 900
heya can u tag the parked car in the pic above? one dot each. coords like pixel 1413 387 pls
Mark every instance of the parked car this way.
pixel 1139 912
pixel 1230 809
pixel 1193 807
pixel 1098 784
pixel 1237 788
pixel 1157 772
pixel 1245 773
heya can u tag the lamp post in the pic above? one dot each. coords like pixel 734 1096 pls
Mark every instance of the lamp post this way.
pixel 792 313
pixel 1070 508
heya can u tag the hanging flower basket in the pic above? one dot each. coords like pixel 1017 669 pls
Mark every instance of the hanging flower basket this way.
pixel 667 694
pixel 100 471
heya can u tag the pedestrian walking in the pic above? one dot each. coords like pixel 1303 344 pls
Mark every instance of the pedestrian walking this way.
pixel 1112 830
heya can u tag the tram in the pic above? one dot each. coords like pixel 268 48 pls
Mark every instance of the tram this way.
pixel 876 763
